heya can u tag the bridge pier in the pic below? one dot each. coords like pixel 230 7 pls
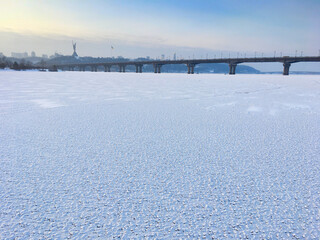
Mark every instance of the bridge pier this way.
pixel 286 67
pixel 190 68
pixel 138 68
pixel 232 68
pixel 157 68
pixel 93 68
pixel 107 68
pixel 122 68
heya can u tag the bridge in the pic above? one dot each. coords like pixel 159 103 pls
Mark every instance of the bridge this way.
pixel 157 64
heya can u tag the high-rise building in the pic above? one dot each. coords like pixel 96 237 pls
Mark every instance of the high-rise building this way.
pixel 33 54
pixel 174 56
pixel 162 57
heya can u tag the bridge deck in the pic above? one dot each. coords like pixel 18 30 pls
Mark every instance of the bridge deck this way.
pixel 287 61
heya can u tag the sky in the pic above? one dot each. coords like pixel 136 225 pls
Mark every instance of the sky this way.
pixel 139 28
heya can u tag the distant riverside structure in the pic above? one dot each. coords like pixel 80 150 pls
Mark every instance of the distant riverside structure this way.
pixel 174 56
pixel 1 54
pixel 33 54
pixel 74 45
pixel 19 55
pixel 286 61
pixel 44 56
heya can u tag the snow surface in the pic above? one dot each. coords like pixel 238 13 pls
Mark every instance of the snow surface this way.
pixel 126 155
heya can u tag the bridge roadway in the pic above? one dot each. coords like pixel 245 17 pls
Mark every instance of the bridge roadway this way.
pixel 157 64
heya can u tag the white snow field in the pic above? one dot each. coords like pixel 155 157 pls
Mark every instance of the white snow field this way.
pixel 159 156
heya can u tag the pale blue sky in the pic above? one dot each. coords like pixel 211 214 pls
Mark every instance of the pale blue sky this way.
pixel 144 27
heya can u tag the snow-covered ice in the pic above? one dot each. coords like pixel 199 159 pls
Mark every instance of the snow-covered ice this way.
pixel 126 155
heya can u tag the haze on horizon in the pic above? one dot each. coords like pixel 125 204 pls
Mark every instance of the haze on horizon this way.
pixel 150 28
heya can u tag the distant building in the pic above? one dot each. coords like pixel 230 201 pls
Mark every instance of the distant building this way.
pixel 174 56
pixel 19 55
pixel 163 57
pixel 56 55
pixel 1 54
pixel 33 54
pixel 44 56
pixel 148 57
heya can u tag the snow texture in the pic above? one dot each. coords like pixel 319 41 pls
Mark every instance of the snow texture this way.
pixel 166 156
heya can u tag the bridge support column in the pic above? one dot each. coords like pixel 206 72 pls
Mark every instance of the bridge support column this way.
pixel 190 68
pixel 137 68
pixel 107 68
pixel 232 68
pixel 286 67
pixel 93 68
pixel 122 68
pixel 157 68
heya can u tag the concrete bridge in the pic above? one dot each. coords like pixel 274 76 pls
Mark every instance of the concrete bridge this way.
pixel 157 64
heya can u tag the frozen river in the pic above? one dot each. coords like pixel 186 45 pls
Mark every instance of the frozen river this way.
pixel 111 155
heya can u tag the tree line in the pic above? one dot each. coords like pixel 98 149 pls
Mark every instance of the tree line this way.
pixel 15 65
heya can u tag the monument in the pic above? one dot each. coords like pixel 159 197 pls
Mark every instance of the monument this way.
pixel 74 45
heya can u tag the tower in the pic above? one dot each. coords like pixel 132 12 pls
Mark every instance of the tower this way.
pixel 74 45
